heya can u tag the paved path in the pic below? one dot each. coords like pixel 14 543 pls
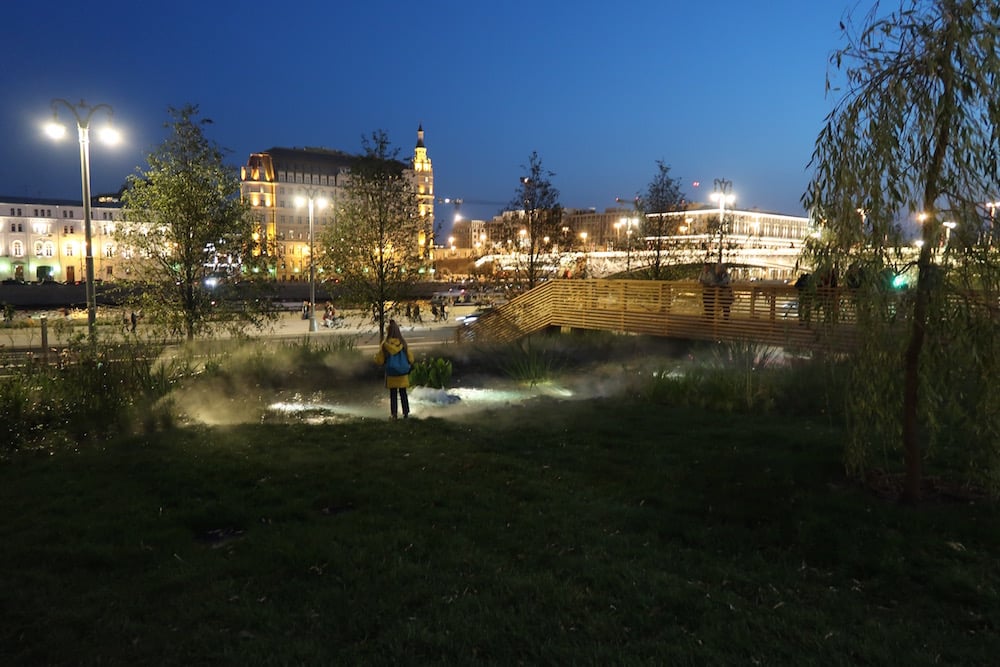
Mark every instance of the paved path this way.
pixel 27 332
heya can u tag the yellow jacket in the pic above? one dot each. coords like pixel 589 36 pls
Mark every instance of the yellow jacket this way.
pixel 389 347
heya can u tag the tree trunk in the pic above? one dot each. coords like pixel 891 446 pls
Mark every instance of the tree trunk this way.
pixel 912 456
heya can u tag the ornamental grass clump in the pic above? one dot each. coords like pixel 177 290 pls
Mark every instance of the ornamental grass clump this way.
pixel 434 373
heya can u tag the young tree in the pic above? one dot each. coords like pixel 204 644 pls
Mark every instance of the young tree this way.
pixel 916 131
pixel 186 237
pixel 539 215
pixel 663 196
pixel 373 248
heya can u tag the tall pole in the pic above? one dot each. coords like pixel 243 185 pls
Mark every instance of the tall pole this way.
pixel 311 200
pixel 312 267
pixel 628 246
pixel 83 129
pixel 83 112
pixel 723 193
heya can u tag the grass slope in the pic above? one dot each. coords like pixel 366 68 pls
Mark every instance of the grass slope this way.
pixel 596 532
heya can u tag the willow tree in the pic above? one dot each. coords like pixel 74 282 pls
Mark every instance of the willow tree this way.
pixel 538 216
pixel 373 248
pixel 914 135
pixel 186 238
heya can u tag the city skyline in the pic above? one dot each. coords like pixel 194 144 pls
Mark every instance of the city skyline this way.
pixel 601 93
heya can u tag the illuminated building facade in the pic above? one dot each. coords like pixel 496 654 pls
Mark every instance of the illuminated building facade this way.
pixel 43 239
pixel 273 179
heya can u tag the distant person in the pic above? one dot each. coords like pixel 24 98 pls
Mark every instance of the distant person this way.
pixel 806 288
pixel 395 356
pixel 707 280
pixel 723 282
pixel 133 319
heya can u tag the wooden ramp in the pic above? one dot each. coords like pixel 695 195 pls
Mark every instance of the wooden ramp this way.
pixel 765 313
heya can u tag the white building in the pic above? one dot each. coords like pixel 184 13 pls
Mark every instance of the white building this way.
pixel 43 239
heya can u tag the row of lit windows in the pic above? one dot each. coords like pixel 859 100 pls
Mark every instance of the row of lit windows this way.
pixel 47 213
pixel 307 179
pixel 41 228
pixel 48 249
pixel 303 220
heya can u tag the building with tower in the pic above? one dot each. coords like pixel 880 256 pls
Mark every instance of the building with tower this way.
pixel 274 179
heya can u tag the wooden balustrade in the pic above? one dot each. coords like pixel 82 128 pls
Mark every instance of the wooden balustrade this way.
pixel 766 313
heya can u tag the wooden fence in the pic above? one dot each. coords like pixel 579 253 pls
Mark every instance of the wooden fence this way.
pixel 773 314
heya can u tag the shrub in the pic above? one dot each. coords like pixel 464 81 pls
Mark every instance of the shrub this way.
pixel 435 373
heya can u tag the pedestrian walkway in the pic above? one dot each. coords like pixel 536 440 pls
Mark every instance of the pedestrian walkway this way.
pixel 41 330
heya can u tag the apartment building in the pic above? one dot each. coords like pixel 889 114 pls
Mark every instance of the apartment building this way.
pixel 273 181
pixel 44 239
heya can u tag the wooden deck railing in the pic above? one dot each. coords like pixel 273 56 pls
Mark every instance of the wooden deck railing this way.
pixel 765 313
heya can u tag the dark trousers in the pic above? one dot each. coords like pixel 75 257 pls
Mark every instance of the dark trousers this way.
pixel 402 399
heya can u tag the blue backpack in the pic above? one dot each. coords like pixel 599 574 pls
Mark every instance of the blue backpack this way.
pixel 397 364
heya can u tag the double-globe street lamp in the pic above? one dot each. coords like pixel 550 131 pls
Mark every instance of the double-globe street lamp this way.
pixel 724 195
pixel 83 113
pixel 312 200
pixel 627 223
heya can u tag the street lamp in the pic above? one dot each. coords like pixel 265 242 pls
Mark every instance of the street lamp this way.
pixel 722 194
pixel 82 112
pixel 948 227
pixel 312 201
pixel 992 205
pixel 627 223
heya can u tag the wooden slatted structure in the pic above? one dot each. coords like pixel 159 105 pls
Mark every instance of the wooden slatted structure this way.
pixel 766 313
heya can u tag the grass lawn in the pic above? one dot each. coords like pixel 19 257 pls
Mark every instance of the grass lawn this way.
pixel 598 532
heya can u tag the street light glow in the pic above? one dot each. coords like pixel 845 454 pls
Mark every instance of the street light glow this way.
pixel 55 130
pixel 109 135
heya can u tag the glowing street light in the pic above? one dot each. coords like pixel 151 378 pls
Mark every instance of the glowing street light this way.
pixel 312 201
pixel 56 130
pixel 724 195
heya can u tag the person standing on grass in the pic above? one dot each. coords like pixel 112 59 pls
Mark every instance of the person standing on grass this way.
pixel 395 356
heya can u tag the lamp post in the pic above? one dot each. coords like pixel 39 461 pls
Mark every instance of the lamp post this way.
pixel 992 205
pixel 312 201
pixel 627 223
pixel 83 113
pixel 722 194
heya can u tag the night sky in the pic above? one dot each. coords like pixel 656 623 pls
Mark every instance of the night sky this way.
pixel 730 89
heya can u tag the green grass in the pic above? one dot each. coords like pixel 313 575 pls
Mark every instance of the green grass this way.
pixel 593 533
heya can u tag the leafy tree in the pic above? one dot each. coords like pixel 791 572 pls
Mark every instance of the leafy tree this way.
pixel 917 131
pixel 373 247
pixel 663 196
pixel 187 238
pixel 537 211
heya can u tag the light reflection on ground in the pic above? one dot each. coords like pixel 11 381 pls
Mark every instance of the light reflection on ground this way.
pixel 424 402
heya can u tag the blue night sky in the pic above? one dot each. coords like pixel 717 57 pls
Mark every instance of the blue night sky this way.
pixel 727 89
